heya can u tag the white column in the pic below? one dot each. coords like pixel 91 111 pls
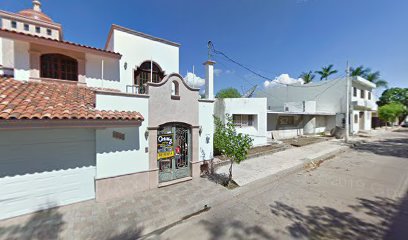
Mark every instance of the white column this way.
pixel 209 79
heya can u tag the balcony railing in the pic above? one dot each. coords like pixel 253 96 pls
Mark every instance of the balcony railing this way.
pixel 136 89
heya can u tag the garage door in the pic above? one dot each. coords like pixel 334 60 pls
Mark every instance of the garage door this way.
pixel 45 168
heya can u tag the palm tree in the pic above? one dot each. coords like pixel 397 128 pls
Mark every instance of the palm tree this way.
pixel 360 71
pixel 307 77
pixel 326 72
pixel 375 77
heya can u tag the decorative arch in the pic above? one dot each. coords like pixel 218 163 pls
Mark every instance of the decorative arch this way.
pixel 167 77
pixel 58 66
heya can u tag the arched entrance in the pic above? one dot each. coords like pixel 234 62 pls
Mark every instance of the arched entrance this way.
pixel 173 151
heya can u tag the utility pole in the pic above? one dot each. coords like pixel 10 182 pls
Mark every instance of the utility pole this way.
pixel 347 103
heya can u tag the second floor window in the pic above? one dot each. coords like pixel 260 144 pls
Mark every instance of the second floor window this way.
pixel 13 24
pixel 369 95
pixel 354 92
pixel 362 92
pixel 147 72
pixel 58 66
pixel 26 27
pixel 37 29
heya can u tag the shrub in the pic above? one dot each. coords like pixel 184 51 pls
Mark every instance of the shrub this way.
pixel 229 143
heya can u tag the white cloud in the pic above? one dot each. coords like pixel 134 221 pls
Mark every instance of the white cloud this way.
pixel 194 80
pixel 217 72
pixel 283 79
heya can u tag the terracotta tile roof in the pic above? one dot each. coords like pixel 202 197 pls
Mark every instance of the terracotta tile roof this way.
pixel 39 100
pixel 60 41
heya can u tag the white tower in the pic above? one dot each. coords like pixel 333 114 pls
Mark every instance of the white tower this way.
pixel 209 79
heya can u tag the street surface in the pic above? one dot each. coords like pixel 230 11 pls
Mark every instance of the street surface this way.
pixel 359 194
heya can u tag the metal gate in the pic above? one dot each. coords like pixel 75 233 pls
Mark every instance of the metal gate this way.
pixel 173 152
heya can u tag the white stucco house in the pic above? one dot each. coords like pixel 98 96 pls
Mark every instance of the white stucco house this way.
pixel 248 115
pixel 295 110
pixel 288 111
pixel 81 123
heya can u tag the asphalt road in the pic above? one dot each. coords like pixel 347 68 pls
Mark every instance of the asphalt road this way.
pixel 360 194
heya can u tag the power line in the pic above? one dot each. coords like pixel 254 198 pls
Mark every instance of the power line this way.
pixel 331 82
pixel 221 62
pixel 211 48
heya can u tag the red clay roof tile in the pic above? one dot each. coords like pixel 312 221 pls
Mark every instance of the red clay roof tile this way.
pixel 43 100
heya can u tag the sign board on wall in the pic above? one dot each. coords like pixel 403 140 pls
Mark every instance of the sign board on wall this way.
pixel 118 135
pixel 165 146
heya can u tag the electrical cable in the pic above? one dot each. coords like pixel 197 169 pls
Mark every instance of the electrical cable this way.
pixel 211 48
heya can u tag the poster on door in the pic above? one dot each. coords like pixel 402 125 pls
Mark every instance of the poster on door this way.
pixel 165 146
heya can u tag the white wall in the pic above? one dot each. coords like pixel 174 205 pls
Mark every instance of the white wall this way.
pixel 21 60
pixel 136 49
pixel 328 95
pixel 109 78
pixel 368 121
pixel 304 124
pixel 1 51
pixel 355 126
pixel 206 121
pixel 363 101
pixel 246 106
pixel 117 157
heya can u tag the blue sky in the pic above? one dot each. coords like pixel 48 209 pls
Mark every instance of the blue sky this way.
pixel 271 36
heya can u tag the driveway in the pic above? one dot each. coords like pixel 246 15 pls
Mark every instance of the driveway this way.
pixel 360 194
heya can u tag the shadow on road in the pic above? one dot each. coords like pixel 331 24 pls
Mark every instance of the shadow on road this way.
pixel 46 224
pixel 397 147
pixel 234 229
pixel 378 218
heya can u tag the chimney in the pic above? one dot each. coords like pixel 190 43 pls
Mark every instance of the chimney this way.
pixel 209 79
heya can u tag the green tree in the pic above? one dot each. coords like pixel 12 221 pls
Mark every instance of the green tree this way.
pixel 228 142
pixel 228 93
pixel 326 72
pixel 394 95
pixel 391 111
pixel 307 77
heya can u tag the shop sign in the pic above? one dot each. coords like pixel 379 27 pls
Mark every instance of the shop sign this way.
pixel 165 146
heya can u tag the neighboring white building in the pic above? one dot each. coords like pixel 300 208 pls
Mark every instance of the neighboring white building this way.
pixel 248 114
pixel 317 107
pixel 80 123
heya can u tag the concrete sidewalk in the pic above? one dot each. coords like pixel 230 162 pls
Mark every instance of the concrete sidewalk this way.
pixel 282 162
pixel 124 218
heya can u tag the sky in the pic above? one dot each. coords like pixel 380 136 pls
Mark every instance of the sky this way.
pixel 272 37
